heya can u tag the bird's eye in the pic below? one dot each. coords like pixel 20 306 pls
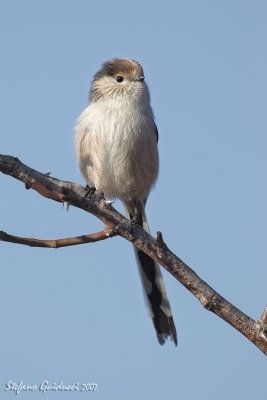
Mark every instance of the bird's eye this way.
pixel 119 78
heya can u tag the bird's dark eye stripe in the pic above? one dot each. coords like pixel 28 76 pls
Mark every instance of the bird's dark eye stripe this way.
pixel 119 78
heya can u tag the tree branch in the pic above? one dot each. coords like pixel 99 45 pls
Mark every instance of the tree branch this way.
pixel 57 243
pixel 75 195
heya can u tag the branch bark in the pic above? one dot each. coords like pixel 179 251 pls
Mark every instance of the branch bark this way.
pixel 117 224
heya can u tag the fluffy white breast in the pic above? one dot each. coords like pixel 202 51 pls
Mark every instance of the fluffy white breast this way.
pixel 116 145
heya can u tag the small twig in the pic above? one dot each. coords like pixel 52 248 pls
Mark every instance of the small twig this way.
pixel 263 324
pixel 57 243
pixel 159 241
pixel 264 316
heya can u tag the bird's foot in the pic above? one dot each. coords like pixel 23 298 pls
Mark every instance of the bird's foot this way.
pixel 90 191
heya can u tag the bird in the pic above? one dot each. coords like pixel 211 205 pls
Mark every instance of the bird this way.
pixel 116 142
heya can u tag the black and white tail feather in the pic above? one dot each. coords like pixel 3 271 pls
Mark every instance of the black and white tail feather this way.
pixel 152 281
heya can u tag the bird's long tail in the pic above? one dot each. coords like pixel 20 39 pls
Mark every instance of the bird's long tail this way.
pixel 152 282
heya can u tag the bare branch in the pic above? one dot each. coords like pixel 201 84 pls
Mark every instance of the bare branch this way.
pixel 57 243
pixel 75 195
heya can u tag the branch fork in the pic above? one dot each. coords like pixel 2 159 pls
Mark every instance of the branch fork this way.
pixel 116 224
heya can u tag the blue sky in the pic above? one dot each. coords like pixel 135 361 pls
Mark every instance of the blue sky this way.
pixel 78 314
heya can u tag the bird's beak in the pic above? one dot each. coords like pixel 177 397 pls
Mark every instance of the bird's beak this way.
pixel 140 79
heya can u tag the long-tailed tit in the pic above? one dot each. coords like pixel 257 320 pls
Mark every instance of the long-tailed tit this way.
pixel 116 146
